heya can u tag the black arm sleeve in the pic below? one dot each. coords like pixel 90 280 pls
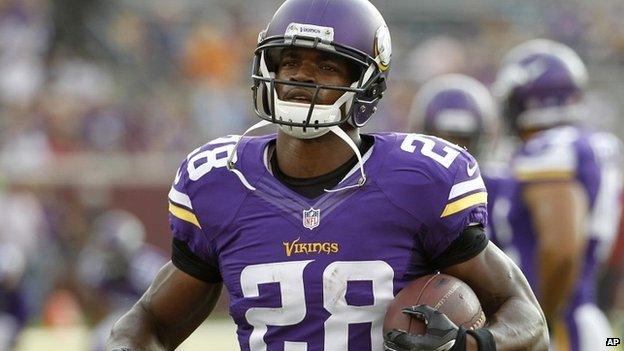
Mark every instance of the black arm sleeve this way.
pixel 469 244
pixel 186 261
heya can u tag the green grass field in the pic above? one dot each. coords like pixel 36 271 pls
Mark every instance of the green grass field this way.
pixel 218 334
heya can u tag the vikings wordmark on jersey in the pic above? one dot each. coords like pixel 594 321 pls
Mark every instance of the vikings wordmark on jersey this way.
pixel 296 247
pixel 318 274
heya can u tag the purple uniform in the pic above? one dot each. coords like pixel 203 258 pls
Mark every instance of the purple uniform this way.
pixel 563 153
pixel 13 316
pixel 121 285
pixel 501 186
pixel 318 274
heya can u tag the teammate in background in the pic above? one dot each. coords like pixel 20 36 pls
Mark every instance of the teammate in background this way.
pixel 114 270
pixel 13 314
pixel 314 230
pixel 564 208
pixel 462 110
pixel 21 239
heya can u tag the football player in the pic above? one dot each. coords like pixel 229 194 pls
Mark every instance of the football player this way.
pixel 13 311
pixel 564 204
pixel 23 219
pixel 114 270
pixel 457 108
pixel 314 230
pixel 462 110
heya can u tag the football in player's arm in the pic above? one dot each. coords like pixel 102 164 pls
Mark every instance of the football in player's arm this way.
pixel 313 242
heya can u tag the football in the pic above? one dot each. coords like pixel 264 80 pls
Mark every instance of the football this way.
pixel 444 293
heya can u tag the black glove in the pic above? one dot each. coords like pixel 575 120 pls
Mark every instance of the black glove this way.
pixel 441 334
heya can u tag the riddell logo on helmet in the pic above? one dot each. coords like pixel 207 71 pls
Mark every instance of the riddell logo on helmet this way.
pixel 309 30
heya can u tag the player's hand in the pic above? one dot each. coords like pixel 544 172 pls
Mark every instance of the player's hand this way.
pixel 441 333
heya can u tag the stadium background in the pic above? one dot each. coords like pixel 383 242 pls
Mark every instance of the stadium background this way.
pixel 101 99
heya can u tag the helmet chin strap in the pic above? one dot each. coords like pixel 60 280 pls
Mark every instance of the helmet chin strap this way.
pixel 231 162
pixel 343 135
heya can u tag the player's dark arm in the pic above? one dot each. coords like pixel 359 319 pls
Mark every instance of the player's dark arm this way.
pixel 558 211
pixel 514 315
pixel 171 309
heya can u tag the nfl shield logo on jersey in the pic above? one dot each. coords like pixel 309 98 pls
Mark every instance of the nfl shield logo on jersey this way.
pixel 311 218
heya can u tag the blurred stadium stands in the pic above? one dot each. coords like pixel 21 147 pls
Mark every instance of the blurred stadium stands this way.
pixel 100 100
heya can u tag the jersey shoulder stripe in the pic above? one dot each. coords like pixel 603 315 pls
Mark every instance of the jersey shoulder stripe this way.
pixel 184 214
pixel 479 198
pixel 463 188
pixel 545 175
pixel 549 156
pixel 179 198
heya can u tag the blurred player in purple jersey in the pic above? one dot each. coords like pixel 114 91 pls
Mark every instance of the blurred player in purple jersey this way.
pixel 563 206
pixel 13 313
pixel 462 110
pixel 20 240
pixel 315 229
pixel 114 270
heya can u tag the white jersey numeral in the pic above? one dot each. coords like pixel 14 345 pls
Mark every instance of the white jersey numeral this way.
pixel 289 275
pixel 209 159
pixel 427 149
pixel 336 276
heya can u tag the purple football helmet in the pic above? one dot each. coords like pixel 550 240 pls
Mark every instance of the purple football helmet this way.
pixel 352 29
pixel 540 85
pixel 119 231
pixel 456 107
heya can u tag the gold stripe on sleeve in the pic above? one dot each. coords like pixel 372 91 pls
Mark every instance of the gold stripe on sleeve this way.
pixel 464 203
pixel 545 175
pixel 184 214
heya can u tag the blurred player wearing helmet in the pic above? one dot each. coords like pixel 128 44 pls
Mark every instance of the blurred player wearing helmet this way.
pixel 13 313
pixel 462 110
pixel 314 230
pixel 20 239
pixel 563 206
pixel 114 270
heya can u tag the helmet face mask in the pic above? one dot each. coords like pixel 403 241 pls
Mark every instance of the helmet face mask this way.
pixel 329 34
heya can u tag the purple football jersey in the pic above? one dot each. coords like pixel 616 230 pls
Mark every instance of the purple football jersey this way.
pixel 318 274
pixel 590 157
pixel 123 283
pixel 500 186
